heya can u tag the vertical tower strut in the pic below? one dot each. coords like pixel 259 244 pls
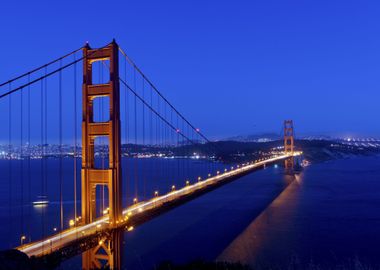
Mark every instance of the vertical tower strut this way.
pixel 289 143
pixel 91 177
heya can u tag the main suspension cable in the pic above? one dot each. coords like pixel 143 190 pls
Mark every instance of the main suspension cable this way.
pixel 159 93
pixel 48 74
pixel 39 68
pixel 154 111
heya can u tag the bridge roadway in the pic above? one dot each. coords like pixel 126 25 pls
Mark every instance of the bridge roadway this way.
pixel 64 238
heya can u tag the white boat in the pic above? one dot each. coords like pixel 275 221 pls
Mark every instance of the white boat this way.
pixel 41 200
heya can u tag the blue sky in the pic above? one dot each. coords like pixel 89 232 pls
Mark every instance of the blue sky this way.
pixel 231 67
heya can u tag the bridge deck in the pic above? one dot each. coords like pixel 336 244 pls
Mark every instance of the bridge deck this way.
pixel 66 237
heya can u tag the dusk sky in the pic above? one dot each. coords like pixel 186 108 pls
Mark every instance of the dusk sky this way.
pixel 231 67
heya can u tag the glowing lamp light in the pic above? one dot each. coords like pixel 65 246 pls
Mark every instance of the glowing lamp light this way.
pixel 22 239
pixel 199 178
pixel 156 193
pixel 187 182
pixel 54 229
pixel 173 187
pixel 197 130
pixel 209 175
pixel 100 242
pixel 71 222
pixel 130 229
pixel 218 172
pixel 135 200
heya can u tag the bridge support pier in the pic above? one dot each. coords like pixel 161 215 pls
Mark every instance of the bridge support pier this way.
pixel 106 255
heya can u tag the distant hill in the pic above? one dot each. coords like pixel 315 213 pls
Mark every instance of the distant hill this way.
pixel 262 137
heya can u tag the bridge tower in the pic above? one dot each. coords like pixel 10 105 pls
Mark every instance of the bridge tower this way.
pixel 289 143
pixel 107 253
pixel 91 176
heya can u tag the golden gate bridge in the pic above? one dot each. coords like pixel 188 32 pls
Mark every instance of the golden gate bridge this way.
pixel 79 159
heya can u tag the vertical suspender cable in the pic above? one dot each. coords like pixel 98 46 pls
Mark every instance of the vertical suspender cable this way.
pixel 29 165
pixel 42 157
pixel 60 148
pixel 172 135
pixel 164 162
pixel 126 125
pixel 183 161
pixel 178 161
pixel 45 135
pixel 188 154
pixel 192 139
pixel 135 122
pixel 143 135
pixel 75 141
pixel 10 160
pixel 157 169
pixel 158 138
pixel 21 160
pixel 162 138
pixel 151 131
pixel 44 142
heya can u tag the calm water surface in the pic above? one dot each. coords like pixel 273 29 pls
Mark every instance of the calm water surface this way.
pixel 327 214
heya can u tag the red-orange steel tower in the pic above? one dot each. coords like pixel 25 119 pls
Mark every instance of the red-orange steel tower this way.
pixel 107 253
pixel 91 176
pixel 289 143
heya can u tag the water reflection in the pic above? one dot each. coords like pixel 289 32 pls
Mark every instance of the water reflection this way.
pixel 251 246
